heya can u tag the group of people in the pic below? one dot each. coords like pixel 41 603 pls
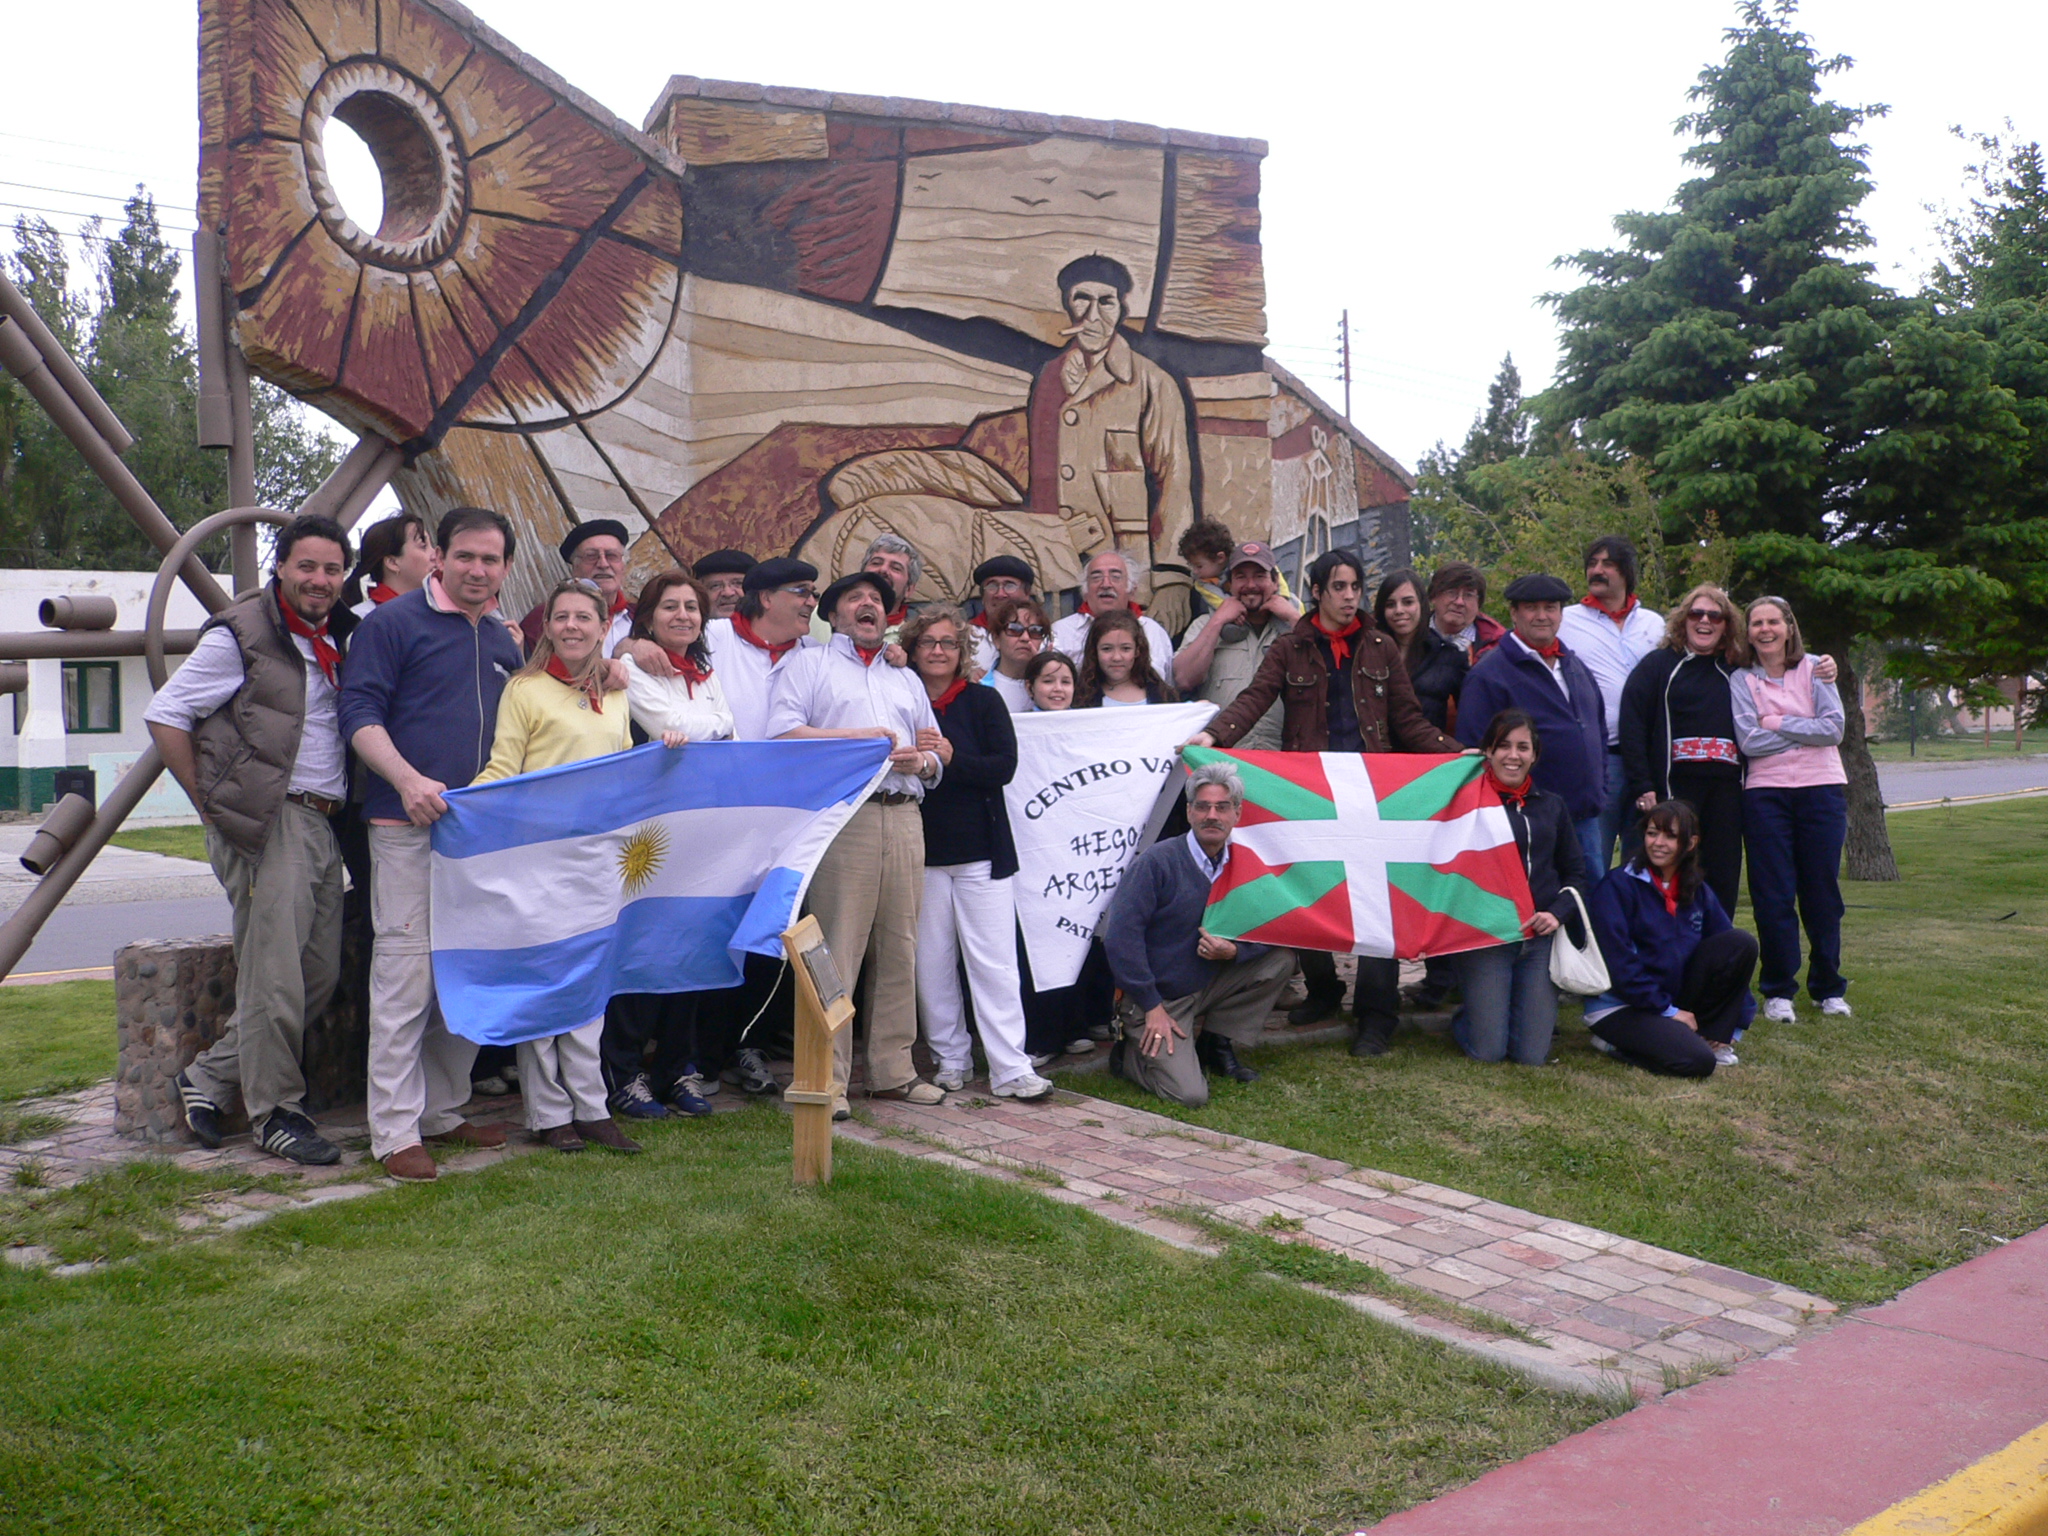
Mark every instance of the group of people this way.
pixel 321 720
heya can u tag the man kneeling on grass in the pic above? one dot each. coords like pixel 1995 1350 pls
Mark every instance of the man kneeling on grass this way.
pixel 1187 982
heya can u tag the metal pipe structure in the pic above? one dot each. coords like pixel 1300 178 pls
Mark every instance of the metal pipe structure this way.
pixel 21 357
pixel 82 612
pixel 21 927
pixel 346 493
pixel 70 378
pixel 13 677
pixel 160 590
pixel 242 470
pixel 88 645
pixel 216 418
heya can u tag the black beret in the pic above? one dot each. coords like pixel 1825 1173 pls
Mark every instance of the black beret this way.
pixel 829 602
pixel 724 562
pixel 779 572
pixel 1005 565
pixel 590 530
pixel 1538 589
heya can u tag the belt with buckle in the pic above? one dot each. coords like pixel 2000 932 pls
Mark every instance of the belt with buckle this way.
pixel 320 803
pixel 892 797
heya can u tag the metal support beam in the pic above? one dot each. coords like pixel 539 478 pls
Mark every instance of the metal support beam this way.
pixel 345 494
pixel 90 645
pixel 154 637
pixel 70 378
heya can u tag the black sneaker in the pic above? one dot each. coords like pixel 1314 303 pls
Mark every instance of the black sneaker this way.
pixel 290 1135
pixel 635 1099
pixel 1315 1008
pixel 749 1071
pixel 201 1113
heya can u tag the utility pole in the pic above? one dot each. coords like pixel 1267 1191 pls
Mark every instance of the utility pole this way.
pixel 1344 350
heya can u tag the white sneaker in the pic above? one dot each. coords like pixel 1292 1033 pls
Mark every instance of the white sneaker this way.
pixel 1045 1060
pixel 1724 1056
pixel 1602 1046
pixel 1836 1007
pixel 1029 1086
pixel 950 1080
pixel 1779 1010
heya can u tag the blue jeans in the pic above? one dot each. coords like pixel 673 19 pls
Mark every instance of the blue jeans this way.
pixel 1510 1006
pixel 1617 820
pixel 1593 844
pixel 1794 838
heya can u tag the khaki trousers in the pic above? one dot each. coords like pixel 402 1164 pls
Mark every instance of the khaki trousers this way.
pixel 561 1078
pixel 1234 1006
pixel 419 1072
pixel 866 896
pixel 287 959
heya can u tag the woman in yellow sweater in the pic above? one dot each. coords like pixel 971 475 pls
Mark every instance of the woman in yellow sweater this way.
pixel 556 710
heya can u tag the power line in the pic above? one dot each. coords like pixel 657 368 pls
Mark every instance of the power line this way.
pixel 73 213
pixel 100 197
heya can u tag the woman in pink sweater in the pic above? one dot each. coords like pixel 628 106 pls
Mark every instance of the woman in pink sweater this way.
pixel 1788 722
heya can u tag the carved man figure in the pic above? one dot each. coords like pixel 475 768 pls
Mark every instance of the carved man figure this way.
pixel 1109 439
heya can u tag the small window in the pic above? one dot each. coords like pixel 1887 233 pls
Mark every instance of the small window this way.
pixel 92 697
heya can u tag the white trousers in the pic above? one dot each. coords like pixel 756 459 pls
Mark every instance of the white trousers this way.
pixel 419 1072
pixel 966 912
pixel 561 1078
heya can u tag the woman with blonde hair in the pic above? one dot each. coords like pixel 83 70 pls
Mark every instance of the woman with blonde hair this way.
pixel 1677 731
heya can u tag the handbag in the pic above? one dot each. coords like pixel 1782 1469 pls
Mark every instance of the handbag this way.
pixel 1576 968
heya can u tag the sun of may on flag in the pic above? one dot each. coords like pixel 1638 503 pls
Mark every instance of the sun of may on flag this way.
pixel 1378 853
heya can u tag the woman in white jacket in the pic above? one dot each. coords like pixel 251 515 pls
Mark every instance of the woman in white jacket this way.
pixel 687 702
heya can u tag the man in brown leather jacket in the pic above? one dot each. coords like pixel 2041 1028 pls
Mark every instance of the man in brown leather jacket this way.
pixel 1342 688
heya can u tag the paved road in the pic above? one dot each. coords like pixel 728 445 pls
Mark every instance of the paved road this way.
pixel 87 935
pixel 1905 782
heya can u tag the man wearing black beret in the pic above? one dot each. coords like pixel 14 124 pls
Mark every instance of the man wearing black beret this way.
pixel 596 551
pixel 724 573
pixel 1000 578
pixel 1530 669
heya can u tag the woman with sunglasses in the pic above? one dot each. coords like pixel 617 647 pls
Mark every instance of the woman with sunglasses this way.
pixel 1019 626
pixel 1677 731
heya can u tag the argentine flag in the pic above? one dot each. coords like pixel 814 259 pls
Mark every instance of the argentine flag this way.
pixel 647 871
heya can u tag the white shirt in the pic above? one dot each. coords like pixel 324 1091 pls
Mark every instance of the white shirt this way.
pixel 1610 650
pixel 984 651
pixel 213 674
pixel 1013 691
pixel 1071 635
pixel 744 675
pixel 828 687
pixel 661 704
pixel 1210 867
pixel 621 627
pixel 1555 670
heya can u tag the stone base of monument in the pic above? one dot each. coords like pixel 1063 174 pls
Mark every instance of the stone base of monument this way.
pixel 172 1000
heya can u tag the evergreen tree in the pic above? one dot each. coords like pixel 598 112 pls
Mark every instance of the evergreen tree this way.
pixel 1998 251
pixel 1501 431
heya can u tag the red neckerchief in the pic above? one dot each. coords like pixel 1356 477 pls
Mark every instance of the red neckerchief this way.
pixel 867 657
pixel 745 631
pixel 1668 890
pixel 1340 642
pixel 381 594
pixel 980 621
pixel 1627 608
pixel 618 604
pixel 897 617
pixel 593 690
pixel 1138 608
pixel 953 691
pixel 1520 796
pixel 323 648
pixel 687 670
pixel 1548 652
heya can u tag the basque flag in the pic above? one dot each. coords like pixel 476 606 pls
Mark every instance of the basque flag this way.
pixel 646 871
pixel 1372 853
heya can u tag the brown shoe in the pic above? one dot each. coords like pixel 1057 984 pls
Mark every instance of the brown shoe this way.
pixel 562 1138
pixel 470 1134
pixel 606 1133
pixel 413 1164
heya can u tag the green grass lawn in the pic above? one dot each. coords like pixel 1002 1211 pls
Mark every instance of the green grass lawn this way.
pixel 176 842
pixel 684 1343
pixel 55 1037
pixel 1849 1157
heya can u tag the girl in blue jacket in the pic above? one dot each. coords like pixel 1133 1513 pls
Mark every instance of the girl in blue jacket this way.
pixel 1678 970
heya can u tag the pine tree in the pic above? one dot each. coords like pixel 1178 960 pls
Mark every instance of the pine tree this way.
pixel 1500 432
pixel 1997 252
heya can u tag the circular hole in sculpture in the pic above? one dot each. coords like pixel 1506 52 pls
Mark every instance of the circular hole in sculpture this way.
pixel 407 163
pixel 353 172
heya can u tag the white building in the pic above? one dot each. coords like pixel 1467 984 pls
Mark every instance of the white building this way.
pixel 83 714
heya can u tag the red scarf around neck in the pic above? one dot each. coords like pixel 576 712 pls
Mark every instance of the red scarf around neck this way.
pixel 953 691
pixel 1627 608
pixel 381 594
pixel 1518 796
pixel 1548 652
pixel 1340 641
pixel 323 648
pixel 619 604
pixel 593 690
pixel 1668 889
pixel 867 657
pixel 1137 608
pixel 745 631
pixel 687 670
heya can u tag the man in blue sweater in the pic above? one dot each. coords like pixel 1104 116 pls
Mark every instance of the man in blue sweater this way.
pixel 1186 981
pixel 419 703
pixel 1531 669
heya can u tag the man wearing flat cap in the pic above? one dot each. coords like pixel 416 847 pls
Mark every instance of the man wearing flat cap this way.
pixel 724 574
pixel 870 883
pixel 1001 578
pixel 1223 649
pixel 1530 669
pixel 596 552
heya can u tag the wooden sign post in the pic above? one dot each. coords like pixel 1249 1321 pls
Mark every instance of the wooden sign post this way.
pixel 822 1010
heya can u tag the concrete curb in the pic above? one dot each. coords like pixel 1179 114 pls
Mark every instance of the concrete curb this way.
pixel 2005 1494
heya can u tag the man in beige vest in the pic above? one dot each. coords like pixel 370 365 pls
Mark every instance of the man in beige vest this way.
pixel 1221 652
pixel 247 727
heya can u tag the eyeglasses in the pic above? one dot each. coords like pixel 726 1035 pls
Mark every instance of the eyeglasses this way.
pixel 808 594
pixel 936 643
pixel 1706 616
pixel 1035 631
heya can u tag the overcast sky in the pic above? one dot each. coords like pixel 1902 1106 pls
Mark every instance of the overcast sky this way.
pixel 1427 163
